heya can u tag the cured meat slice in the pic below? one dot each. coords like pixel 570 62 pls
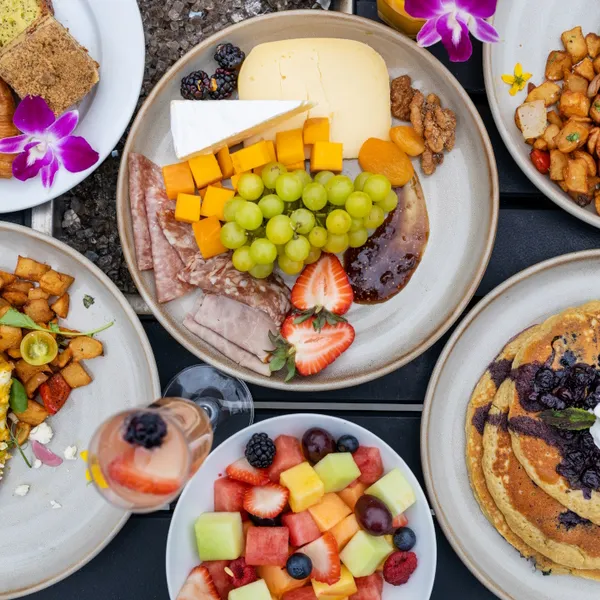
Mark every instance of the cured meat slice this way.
pixel 139 167
pixel 245 327
pixel 166 261
pixel 227 348
pixel 219 276
pixel 179 235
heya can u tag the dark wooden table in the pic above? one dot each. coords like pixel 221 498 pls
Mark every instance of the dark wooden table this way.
pixel 531 229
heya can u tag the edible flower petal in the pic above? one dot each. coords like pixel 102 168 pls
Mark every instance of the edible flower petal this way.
pixel 45 455
pixel 33 115
pixel 518 80
pixel 75 153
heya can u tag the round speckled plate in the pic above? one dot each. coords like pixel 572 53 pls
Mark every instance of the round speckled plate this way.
pixel 40 545
pixel 524 300
pixel 529 31
pixel 462 200
pixel 111 30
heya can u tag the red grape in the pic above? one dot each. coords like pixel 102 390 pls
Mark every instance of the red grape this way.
pixel 373 515
pixel 317 444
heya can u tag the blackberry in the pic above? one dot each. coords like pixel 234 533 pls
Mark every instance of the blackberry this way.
pixel 146 429
pixel 265 522
pixel 229 56
pixel 260 451
pixel 195 86
pixel 222 84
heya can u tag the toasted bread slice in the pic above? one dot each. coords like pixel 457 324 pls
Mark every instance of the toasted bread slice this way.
pixel 17 15
pixel 46 60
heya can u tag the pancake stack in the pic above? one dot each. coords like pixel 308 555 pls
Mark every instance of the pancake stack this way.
pixel 539 483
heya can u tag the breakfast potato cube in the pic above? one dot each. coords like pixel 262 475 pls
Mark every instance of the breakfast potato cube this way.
pixel 593 44
pixel 30 269
pixel 17 299
pixel 595 110
pixel 75 375
pixel 62 359
pixel 596 64
pixel 574 44
pixel 4 307
pixel 37 294
pixel 33 383
pixel 575 83
pixel 548 91
pixel 575 176
pixel 574 104
pixel 558 163
pixel 593 140
pixel 55 283
pixel 14 353
pixel 34 414
pixel 551 132
pixel 540 144
pixel 85 348
pixel 10 337
pixel 585 68
pixel 38 310
pixel 557 62
pixel 554 118
pixel 24 371
pixel 573 136
pixel 7 278
pixel 592 168
pixel 61 306
pixel 22 431
pixel 19 286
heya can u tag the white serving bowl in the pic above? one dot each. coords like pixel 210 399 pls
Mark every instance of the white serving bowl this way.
pixel 197 498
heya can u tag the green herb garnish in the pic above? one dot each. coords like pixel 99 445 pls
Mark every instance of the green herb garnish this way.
pixel 14 441
pixel 14 318
pixel 573 137
pixel 88 301
pixel 573 419
pixel 18 396
pixel 597 106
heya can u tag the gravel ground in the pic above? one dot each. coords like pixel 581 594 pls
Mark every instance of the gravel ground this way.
pixel 172 27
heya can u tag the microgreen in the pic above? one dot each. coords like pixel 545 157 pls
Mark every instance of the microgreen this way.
pixel 17 399
pixel 88 301
pixel 573 419
pixel 15 442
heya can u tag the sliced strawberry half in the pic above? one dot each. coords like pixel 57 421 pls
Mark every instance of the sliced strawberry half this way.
pixel 266 501
pixel 242 470
pixel 198 586
pixel 325 558
pixel 323 285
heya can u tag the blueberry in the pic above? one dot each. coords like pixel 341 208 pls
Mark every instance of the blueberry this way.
pixel 404 539
pixel 260 522
pixel 347 443
pixel 299 566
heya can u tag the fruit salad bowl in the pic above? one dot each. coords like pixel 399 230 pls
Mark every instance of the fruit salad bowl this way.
pixel 200 496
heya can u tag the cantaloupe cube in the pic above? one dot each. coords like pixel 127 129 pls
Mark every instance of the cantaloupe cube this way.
pixel 251 157
pixel 352 493
pixel 306 489
pixel 329 512
pixel 205 170
pixel 345 530
pixel 208 237
pixel 278 581
pixel 214 202
pixel 187 208
pixel 290 146
pixel 225 162
pixel 327 156
pixel 178 180
pixel 343 588
pixel 316 129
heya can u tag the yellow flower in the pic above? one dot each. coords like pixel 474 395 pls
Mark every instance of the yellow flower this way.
pixel 518 80
pixel 95 470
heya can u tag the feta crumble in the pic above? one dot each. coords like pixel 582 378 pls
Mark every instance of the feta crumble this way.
pixel 22 490
pixel 70 453
pixel 37 463
pixel 55 504
pixel 42 433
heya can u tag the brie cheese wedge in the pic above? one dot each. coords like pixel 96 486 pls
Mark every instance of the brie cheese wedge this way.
pixel 203 127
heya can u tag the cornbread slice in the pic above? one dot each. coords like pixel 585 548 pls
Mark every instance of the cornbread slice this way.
pixel 18 15
pixel 46 60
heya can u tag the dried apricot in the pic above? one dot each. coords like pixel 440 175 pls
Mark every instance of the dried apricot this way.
pixel 385 158
pixel 407 139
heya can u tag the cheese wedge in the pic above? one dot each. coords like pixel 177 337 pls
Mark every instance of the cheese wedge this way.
pixel 347 80
pixel 203 127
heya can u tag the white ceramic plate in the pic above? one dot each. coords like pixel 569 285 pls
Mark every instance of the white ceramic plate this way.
pixel 462 200
pixel 40 545
pixel 529 31
pixel 112 32
pixel 197 498
pixel 524 300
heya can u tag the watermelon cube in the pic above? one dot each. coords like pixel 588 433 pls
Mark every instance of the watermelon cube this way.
pixel 352 493
pixel 302 526
pixel 278 580
pixel 288 454
pixel 229 495
pixel 329 511
pixel 267 546
pixel 304 593
pixel 400 520
pixel 370 464
pixel 369 588
pixel 222 581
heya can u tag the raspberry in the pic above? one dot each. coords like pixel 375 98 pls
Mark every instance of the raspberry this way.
pixel 399 566
pixel 243 574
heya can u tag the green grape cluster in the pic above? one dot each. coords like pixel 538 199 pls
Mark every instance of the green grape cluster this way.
pixel 289 218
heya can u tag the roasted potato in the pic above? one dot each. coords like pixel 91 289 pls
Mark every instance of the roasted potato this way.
pixel 574 44
pixel 592 142
pixel 575 83
pixel 592 168
pixel 557 62
pixel 25 371
pixel 38 310
pixel 10 337
pixel 7 278
pixel 576 176
pixel 574 104
pixel 572 136
pixel 30 269
pixel 55 283
pixel 22 431
pixel 585 68
pixel 551 132
pixel 593 44
pixel 61 306
pixel 554 118
pixel 85 348
pixel 531 119
pixel 17 299
pixel 558 163
pixel 33 383
pixel 548 91
pixel 62 359
pixel 595 110
pixel 75 375
pixel 34 414
pixel 540 144
pixel 19 285
pixel 4 306
pixel 37 293
pixel 14 353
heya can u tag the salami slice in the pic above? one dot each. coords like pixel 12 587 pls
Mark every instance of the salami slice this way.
pixel 141 233
pixel 166 261
pixel 179 235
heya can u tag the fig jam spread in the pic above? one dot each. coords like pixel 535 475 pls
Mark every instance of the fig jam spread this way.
pixel 499 370
pixel 480 417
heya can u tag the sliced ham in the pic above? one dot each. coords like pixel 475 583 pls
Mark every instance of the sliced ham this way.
pixel 180 235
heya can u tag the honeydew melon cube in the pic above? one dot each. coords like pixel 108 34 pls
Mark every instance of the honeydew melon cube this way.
pixel 253 591
pixel 394 491
pixel 305 486
pixel 337 470
pixel 219 536
pixel 343 588
pixel 364 552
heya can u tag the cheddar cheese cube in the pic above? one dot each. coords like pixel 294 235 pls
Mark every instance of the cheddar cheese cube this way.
pixel 251 157
pixel 290 146
pixel 225 162
pixel 205 170
pixel 272 157
pixel 187 208
pixel 306 489
pixel 203 190
pixel 178 180
pixel 316 130
pixel 235 179
pixel 295 166
pixel 327 156
pixel 208 237
pixel 214 201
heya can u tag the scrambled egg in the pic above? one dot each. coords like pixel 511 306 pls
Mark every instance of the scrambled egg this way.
pixel 5 384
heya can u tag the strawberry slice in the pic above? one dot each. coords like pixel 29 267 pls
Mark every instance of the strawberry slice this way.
pixel 242 470
pixel 325 558
pixel 323 285
pixel 198 586
pixel 266 501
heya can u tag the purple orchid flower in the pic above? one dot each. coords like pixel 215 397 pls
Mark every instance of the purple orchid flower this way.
pixel 450 22
pixel 46 142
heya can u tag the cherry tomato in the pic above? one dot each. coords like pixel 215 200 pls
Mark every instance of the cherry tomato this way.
pixel 38 348
pixel 540 160
pixel 54 393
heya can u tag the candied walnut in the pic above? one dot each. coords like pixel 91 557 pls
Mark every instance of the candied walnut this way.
pixel 416 112
pixel 430 161
pixel 401 95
